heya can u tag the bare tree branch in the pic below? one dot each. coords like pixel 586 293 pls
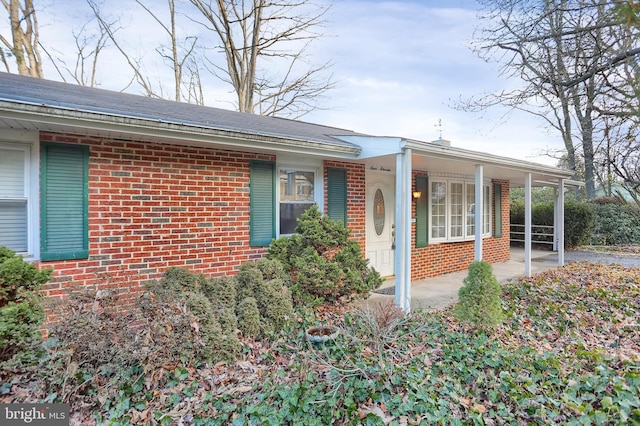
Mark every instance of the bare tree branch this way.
pixel 567 54
pixel 276 33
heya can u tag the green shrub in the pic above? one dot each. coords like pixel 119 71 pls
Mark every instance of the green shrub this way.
pixel 249 317
pixel 579 219
pixel 21 312
pixel 178 280
pixel 543 214
pixel 479 298
pixel 211 301
pixel 214 301
pixel 275 305
pixel 579 223
pixel 228 320
pixel 615 222
pixel 273 297
pixel 272 270
pixel 247 280
pixel 323 262
pixel 221 291
pixel 516 212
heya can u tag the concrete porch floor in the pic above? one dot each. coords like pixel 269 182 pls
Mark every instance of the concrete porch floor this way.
pixel 440 292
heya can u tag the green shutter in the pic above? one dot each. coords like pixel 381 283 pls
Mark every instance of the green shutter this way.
pixel 497 210
pixel 422 212
pixel 64 202
pixel 337 195
pixel 262 201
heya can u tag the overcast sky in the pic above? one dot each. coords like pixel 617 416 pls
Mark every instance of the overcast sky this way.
pixel 399 68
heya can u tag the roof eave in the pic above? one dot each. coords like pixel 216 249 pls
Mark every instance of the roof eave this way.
pixel 144 128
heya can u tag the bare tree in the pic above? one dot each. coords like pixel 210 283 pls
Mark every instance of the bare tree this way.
pixel 24 40
pixel 89 44
pixel 174 55
pixel 259 37
pixel 558 48
pixel 178 53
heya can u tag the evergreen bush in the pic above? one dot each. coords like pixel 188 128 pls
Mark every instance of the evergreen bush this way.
pixel 272 296
pixel 323 263
pixel 579 219
pixel 249 317
pixel 615 222
pixel 579 223
pixel 221 291
pixel 21 312
pixel 479 298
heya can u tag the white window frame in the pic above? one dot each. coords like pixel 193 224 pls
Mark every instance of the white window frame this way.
pixel 300 166
pixel 28 142
pixel 448 202
pixel 487 211
pixel 447 219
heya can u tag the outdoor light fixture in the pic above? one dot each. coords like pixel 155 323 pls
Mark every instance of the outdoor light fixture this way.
pixel 417 195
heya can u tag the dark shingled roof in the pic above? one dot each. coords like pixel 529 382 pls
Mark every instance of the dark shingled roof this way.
pixel 55 94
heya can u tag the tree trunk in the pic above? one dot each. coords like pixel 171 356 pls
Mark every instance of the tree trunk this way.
pixel 24 44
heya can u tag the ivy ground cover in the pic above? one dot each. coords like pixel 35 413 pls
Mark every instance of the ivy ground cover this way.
pixel 568 352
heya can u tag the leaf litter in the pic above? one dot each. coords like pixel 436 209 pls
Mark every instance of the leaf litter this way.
pixel 585 314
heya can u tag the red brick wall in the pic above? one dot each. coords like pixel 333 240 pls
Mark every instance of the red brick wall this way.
pixel 356 198
pixel 153 206
pixel 443 258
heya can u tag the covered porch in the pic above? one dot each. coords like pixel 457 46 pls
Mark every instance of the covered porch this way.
pixel 452 208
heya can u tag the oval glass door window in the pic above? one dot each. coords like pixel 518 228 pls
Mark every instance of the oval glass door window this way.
pixel 378 212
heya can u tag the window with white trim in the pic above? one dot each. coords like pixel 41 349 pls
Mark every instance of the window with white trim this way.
pixel 438 209
pixel 486 213
pixel 296 194
pixel 19 188
pixel 470 204
pixel 452 210
pixel 280 193
pixel 14 197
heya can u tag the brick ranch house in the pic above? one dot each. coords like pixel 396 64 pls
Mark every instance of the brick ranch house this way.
pixel 111 188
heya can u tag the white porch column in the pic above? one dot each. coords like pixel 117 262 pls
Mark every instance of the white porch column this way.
pixel 479 210
pixel 399 233
pixel 527 224
pixel 560 224
pixel 403 230
pixel 556 215
pixel 407 199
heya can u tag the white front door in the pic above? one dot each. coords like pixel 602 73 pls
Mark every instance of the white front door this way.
pixel 381 223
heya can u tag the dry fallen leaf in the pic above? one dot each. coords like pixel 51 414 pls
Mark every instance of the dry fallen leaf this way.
pixel 479 408
pixel 377 411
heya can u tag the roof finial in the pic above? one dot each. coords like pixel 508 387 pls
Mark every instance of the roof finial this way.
pixel 439 126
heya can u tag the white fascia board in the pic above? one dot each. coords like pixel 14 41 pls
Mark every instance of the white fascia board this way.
pixel 142 128
pixel 375 146
pixel 475 157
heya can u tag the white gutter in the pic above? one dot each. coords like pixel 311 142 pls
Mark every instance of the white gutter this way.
pixel 148 128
